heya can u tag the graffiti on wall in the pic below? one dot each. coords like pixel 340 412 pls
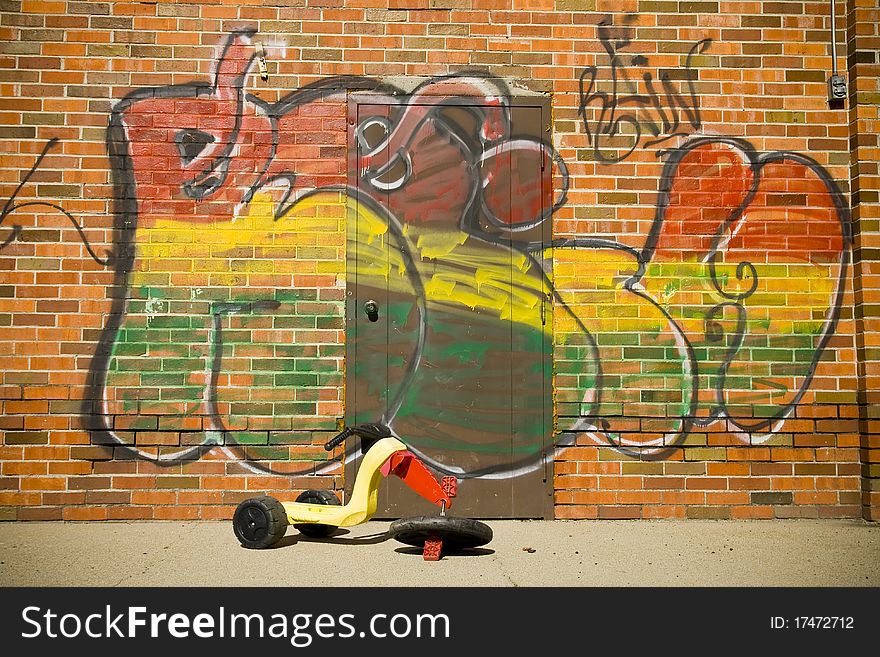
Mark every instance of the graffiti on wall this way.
pixel 722 316
pixel 231 231
pixel 234 217
pixel 632 111
pixel 12 205
pixel 229 301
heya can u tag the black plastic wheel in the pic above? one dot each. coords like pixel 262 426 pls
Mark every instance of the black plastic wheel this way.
pixel 456 533
pixel 313 496
pixel 259 522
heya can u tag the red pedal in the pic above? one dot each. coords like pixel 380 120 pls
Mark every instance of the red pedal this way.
pixel 433 547
pixel 449 485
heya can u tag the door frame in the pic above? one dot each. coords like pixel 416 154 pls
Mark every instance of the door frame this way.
pixel 356 98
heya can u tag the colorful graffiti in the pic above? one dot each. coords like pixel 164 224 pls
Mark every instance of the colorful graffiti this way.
pixel 234 217
pixel 467 304
pixel 227 316
pixel 724 313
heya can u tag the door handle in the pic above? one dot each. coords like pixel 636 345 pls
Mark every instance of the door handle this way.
pixel 371 308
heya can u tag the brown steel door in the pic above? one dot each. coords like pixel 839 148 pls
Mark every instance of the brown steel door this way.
pixel 447 224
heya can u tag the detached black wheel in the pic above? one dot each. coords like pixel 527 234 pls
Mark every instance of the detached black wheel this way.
pixel 456 533
pixel 313 496
pixel 259 522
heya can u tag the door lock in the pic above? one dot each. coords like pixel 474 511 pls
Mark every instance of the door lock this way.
pixel 372 310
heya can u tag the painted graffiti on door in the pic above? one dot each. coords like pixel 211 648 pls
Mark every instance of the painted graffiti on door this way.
pixel 232 222
pixel 468 308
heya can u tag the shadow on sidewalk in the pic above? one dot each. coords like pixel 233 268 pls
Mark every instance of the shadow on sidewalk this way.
pixel 335 539
pixel 338 538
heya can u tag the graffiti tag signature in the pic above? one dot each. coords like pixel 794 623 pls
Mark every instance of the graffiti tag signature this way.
pixel 656 115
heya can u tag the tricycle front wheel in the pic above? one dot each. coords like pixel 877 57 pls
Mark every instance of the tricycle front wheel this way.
pixel 316 496
pixel 455 533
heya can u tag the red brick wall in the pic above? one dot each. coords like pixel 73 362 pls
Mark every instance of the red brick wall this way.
pixel 717 148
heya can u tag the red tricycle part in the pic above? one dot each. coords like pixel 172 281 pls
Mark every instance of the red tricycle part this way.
pixel 407 466
pixel 432 549
pixel 449 484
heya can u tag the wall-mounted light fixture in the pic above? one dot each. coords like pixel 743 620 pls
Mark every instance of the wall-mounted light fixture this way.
pixel 261 60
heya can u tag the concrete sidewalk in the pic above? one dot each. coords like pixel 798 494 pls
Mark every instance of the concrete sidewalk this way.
pixel 562 553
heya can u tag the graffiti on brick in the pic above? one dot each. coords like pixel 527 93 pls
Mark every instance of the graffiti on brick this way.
pixel 628 115
pixel 235 216
pixel 722 316
pixel 17 231
pixel 225 329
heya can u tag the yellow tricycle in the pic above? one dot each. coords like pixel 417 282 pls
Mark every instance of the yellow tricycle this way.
pixel 261 522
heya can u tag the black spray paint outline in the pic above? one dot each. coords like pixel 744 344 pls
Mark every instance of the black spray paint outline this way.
pixel 17 230
pixel 610 103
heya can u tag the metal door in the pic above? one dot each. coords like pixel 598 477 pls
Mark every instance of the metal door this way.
pixel 447 229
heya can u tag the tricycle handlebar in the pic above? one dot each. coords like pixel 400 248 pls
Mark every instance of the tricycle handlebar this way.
pixel 370 430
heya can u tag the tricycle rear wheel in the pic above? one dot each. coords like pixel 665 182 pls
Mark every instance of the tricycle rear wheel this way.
pixel 259 522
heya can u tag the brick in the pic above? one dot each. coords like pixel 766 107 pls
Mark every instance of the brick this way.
pixel 645 468
pixel 108 497
pixel 684 468
pixel 783 7
pixel 177 482
pixel 620 512
pixel 705 454
pixel 708 513
pixel 761 21
pixel 575 5
pixel 771 498
pixel 325 54
pixel 88 483
pixel 63 498
pixel 130 513
pixel 40 513
pixel 176 513
pixel 178 10
pixel 84 513
pixel 26 438
pixel 752 512
pixel 785 117
pixel 91 8
pixel 110 23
